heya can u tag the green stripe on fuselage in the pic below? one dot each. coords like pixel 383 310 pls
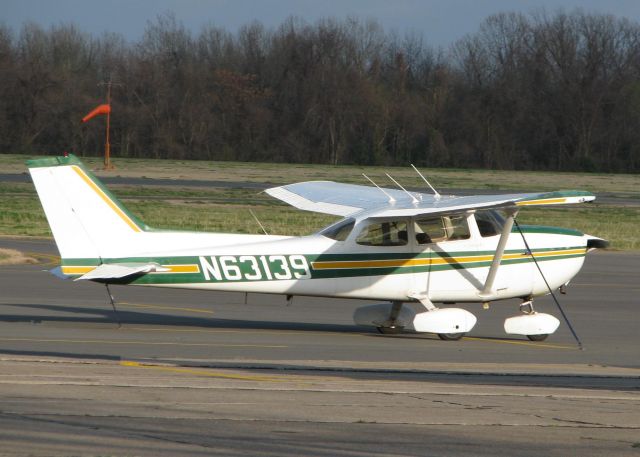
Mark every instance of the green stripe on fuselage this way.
pixel 247 268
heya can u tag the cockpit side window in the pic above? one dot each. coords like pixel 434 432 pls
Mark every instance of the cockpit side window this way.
pixel 489 223
pixel 340 230
pixel 441 228
pixel 388 233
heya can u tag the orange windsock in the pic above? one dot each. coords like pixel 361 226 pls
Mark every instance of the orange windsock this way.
pixel 100 109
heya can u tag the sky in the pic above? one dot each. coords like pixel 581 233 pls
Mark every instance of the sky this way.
pixel 440 22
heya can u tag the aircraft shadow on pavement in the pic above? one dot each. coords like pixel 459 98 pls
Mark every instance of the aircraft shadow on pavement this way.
pixel 102 316
pixel 57 354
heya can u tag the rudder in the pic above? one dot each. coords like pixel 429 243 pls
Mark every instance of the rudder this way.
pixel 86 220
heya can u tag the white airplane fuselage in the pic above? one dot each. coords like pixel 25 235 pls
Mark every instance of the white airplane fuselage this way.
pixel 450 271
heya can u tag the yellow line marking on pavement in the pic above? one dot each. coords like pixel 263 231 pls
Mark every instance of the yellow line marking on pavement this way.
pixel 603 285
pixel 144 343
pixel 151 306
pixel 249 330
pixel 521 343
pixel 207 373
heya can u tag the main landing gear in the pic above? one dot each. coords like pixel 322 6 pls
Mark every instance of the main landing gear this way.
pixel 392 326
pixel 449 324
pixel 450 336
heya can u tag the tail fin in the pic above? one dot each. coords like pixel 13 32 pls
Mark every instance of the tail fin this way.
pixel 87 221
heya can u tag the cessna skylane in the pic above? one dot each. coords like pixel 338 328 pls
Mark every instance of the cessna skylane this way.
pixel 410 250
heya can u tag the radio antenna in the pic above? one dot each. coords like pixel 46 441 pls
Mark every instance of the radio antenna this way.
pixel 435 192
pixel 415 200
pixel 391 199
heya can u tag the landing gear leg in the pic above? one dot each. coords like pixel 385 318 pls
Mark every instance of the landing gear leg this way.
pixel 392 326
pixel 526 307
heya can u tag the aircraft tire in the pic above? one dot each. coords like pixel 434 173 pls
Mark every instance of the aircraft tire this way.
pixel 540 337
pixel 390 330
pixel 450 336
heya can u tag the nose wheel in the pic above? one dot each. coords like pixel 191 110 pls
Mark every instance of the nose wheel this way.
pixel 530 323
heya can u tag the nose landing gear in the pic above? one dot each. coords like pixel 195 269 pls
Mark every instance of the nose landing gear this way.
pixel 535 326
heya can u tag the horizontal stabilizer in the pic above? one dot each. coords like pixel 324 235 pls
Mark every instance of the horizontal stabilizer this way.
pixel 121 270
pixel 57 272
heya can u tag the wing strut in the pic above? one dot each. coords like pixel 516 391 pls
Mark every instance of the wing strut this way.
pixel 566 318
pixel 487 290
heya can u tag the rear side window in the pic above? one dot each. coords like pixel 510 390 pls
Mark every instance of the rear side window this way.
pixel 340 230
pixel 391 233
pixel 441 228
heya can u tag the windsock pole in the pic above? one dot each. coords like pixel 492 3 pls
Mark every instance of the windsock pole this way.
pixel 107 145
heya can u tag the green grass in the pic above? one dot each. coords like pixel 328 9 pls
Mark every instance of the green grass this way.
pixel 617 224
pixel 228 209
pixel 23 215
pixel 231 218
pixel 441 178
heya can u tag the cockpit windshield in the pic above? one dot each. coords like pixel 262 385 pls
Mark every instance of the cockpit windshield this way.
pixel 340 230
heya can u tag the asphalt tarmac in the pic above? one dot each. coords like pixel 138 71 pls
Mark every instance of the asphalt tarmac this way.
pixel 176 372
pixel 628 199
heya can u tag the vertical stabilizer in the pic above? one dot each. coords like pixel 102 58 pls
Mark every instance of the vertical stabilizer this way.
pixel 87 221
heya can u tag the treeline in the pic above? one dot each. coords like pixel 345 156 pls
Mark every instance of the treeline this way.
pixel 544 92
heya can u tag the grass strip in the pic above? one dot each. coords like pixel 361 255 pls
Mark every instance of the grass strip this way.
pixel 229 211
pixel 13 257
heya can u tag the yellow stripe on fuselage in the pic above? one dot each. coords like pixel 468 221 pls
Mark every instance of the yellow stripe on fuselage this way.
pixel 357 264
pixel 106 198
pixel 80 270
pixel 181 269
pixel 73 270
pixel 401 263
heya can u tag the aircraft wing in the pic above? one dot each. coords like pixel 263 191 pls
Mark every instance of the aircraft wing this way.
pixel 347 199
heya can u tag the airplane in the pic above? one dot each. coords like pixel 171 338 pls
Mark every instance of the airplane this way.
pixel 410 250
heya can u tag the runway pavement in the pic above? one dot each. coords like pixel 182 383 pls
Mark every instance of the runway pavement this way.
pixel 198 373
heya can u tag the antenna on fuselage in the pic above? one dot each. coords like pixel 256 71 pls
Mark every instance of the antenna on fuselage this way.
pixel 391 199
pixel 435 192
pixel 415 200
